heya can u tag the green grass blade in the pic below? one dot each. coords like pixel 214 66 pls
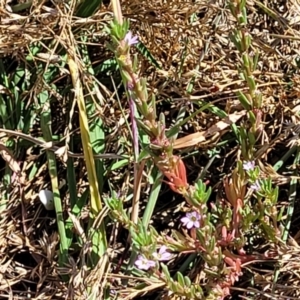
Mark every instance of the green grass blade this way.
pixel 290 210
pixel 4 109
pixel 46 129
pixel 71 179
pixel 147 54
pixel 153 197
pixel 292 198
pixel 87 8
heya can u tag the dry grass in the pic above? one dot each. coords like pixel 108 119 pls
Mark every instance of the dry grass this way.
pixel 189 40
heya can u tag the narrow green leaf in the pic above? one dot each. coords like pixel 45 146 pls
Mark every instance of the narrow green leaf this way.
pixel 180 279
pixel 46 129
pixel 87 8
pixel 187 281
pixel 147 54
pixel 244 101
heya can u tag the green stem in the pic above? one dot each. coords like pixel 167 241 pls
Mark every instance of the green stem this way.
pixel 46 129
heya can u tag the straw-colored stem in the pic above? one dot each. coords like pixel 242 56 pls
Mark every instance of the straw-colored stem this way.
pixel 96 205
pixel 117 11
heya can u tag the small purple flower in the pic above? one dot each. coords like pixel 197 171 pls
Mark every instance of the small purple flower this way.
pixel 143 263
pixel 255 186
pixel 130 39
pixel 163 254
pixel 249 165
pixel 191 220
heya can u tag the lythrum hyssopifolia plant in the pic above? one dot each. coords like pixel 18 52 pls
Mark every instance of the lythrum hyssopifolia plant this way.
pixel 217 230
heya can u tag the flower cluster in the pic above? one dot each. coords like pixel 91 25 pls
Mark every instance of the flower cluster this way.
pixel 249 167
pixel 144 263
pixel 209 233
